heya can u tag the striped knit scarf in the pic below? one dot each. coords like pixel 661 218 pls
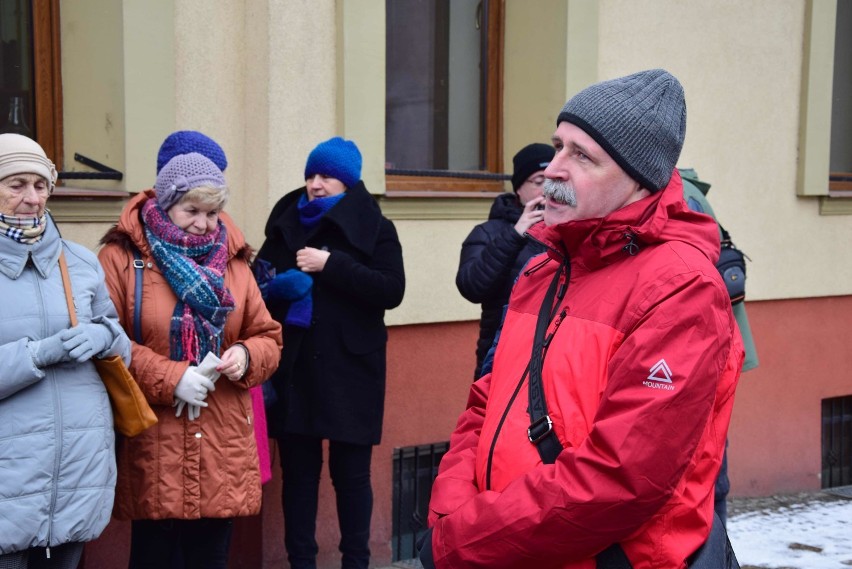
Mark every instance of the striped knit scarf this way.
pixel 194 267
pixel 27 230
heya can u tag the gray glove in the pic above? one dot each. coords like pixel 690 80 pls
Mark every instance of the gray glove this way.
pixel 85 341
pixel 192 390
pixel 48 351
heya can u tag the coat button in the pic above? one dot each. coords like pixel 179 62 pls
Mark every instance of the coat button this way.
pixel 197 435
pixel 150 265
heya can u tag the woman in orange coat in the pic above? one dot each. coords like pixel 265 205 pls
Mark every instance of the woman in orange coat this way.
pixel 183 480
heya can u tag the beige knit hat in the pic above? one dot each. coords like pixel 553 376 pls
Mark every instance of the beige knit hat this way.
pixel 22 155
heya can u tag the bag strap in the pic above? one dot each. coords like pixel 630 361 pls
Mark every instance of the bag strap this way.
pixel 66 284
pixel 540 431
pixel 138 266
pixel 726 237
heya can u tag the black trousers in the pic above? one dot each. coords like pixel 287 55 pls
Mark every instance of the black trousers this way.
pixel 349 466
pixel 723 487
pixel 180 544
pixel 66 556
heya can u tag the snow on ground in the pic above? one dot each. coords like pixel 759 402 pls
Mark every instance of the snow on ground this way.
pixel 812 534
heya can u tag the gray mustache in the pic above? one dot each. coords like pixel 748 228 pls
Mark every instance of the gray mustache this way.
pixel 561 192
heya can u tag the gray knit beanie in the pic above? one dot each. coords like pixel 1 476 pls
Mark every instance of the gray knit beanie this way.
pixel 183 173
pixel 640 120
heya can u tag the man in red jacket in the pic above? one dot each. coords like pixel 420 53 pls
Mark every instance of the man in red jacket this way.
pixel 596 440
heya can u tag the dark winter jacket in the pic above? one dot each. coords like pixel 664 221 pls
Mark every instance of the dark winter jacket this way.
pixel 491 258
pixel 331 381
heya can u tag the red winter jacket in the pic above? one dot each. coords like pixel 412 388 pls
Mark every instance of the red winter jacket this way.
pixel 639 380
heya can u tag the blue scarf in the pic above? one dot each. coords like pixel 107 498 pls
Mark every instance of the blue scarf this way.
pixel 310 212
pixel 194 266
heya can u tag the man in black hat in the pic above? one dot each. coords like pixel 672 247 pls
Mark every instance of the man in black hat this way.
pixel 496 250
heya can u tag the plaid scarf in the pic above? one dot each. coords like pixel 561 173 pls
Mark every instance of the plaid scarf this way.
pixel 194 267
pixel 27 230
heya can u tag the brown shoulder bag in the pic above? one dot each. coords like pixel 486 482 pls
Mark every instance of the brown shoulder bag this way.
pixel 129 407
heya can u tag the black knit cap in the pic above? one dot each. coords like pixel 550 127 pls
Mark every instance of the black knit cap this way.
pixel 640 120
pixel 529 160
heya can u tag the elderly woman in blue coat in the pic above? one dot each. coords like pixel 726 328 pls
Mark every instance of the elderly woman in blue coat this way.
pixel 339 267
pixel 57 452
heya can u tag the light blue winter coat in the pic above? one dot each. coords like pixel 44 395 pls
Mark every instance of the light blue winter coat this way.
pixel 57 446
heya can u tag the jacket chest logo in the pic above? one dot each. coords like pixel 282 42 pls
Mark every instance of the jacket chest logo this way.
pixel 660 376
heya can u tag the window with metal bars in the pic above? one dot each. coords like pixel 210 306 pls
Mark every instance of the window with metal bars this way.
pixel 414 471
pixel 837 442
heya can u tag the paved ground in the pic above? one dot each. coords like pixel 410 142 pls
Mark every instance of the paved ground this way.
pixel 770 504
pixel 752 520
pixel 799 531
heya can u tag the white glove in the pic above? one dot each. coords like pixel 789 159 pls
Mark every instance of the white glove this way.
pixel 207 368
pixel 192 390
pixel 192 411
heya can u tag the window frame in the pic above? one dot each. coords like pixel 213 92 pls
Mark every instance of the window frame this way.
pixel 813 177
pixel 67 203
pixel 839 182
pixel 47 74
pixel 483 183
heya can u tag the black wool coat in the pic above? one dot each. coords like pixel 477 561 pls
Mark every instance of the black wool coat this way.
pixel 331 380
pixel 491 258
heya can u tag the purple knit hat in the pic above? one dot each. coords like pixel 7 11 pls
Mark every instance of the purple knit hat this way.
pixel 183 173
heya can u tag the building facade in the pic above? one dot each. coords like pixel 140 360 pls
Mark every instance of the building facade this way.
pixel 439 95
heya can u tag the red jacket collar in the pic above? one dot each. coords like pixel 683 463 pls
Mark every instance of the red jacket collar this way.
pixel 660 217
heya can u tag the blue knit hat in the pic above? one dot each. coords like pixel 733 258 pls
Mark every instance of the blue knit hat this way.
pixel 336 158
pixel 186 141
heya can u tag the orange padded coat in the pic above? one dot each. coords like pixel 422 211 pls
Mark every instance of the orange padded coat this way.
pixel 207 468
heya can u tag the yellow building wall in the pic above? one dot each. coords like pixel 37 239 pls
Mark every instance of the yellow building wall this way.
pixel 741 64
pixel 271 79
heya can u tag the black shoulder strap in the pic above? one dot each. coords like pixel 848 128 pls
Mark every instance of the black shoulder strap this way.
pixel 138 266
pixel 726 237
pixel 540 431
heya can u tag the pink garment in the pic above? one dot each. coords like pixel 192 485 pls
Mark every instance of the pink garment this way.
pixel 260 434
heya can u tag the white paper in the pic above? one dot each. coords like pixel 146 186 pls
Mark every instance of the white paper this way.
pixel 207 367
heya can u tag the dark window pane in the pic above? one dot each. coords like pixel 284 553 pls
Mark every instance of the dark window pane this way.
pixel 841 102
pixel 16 67
pixel 434 88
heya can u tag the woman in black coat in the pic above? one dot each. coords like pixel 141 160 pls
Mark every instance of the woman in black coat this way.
pixel 339 267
